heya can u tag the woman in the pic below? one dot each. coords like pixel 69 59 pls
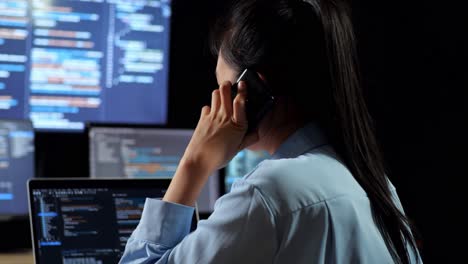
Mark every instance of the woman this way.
pixel 324 196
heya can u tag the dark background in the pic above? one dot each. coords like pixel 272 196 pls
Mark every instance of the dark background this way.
pixel 414 64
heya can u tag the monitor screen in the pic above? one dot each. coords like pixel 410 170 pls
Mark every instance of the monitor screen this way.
pixel 86 221
pixel 65 62
pixel 244 162
pixel 16 166
pixel 144 153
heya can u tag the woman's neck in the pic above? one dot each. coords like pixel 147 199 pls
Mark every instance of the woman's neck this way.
pixel 278 125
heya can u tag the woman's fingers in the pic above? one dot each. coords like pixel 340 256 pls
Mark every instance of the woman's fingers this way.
pixel 226 101
pixel 215 101
pixel 205 110
pixel 239 115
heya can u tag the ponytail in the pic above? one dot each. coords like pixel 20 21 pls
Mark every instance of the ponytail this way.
pixel 354 132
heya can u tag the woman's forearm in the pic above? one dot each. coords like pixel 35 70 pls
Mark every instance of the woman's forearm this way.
pixel 187 184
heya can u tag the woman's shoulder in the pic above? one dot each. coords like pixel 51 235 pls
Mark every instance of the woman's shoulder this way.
pixel 313 177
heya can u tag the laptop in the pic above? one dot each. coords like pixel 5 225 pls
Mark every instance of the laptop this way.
pixel 83 220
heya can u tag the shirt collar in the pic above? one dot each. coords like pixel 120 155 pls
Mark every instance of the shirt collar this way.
pixel 304 139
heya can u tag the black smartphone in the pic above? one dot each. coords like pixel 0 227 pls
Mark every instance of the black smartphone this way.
pixel 259 97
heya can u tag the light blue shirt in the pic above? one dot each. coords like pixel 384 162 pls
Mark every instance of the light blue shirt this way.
pixel 302 206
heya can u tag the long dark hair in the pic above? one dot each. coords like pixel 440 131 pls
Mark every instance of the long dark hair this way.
pixel 307 51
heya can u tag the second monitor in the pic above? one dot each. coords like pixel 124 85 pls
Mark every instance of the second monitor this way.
pixel 135 152
pixel 16 166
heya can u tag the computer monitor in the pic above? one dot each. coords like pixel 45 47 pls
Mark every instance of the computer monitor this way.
pixel 135 152
pixel 16 166
pixel 87 220
pixel 244 162
pixel 63 63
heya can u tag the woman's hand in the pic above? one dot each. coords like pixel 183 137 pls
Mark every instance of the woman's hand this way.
pixel 219 135
pixel 220 131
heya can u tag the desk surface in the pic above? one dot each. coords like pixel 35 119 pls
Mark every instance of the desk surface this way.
pixel 25 257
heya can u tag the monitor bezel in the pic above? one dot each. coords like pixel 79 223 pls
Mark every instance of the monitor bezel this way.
pixel 96 125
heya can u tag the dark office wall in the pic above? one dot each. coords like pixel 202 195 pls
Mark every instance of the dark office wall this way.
pixel 415 76
pixel 414 63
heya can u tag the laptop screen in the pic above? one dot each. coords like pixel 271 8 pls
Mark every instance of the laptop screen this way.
pixel 87 221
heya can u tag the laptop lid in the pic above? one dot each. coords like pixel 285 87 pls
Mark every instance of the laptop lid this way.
pixel 87 220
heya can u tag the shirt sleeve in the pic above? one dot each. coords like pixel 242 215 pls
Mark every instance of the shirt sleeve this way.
pixel 240 230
